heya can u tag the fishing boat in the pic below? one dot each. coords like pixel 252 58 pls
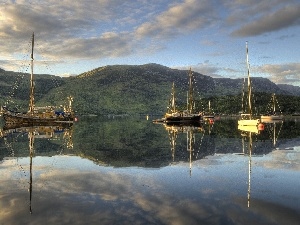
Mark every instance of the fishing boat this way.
pixel 247 119
pixel 272 116
pixel 38 115
pixel 186 116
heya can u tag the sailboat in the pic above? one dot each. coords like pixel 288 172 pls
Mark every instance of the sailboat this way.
pixel 209 115
pixel 247 121
pixel 38 115
pixel 273 116
pixel 185 116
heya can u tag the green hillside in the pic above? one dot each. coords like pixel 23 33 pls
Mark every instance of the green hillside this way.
pixel 137 89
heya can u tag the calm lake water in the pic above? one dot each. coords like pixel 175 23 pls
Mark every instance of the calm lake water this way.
pixel 130 171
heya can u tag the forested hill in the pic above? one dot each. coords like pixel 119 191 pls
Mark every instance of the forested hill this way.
pixel 120 89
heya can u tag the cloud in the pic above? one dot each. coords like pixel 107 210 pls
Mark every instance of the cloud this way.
pixel 85 193
pixel 178 19
pixel 282 73
pixel 109 44
pixel 283 159
pixel 209 42
pixel 209 69
pixel 71 32
pixel 285 17
pixel 64 25
pixel 202 68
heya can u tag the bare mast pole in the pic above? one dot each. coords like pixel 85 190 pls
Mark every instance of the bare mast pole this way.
pixel 249 83
pixel 190 105
pixel 173 107
pixel 31 101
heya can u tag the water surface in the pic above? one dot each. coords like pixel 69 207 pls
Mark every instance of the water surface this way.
pixel 131 171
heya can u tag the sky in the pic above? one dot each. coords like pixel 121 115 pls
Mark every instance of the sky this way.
pixel 72 37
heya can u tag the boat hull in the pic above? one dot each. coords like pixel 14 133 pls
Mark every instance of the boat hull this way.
pixel 271 119
pixel 183 118
pixel 194 120
pixel 27 120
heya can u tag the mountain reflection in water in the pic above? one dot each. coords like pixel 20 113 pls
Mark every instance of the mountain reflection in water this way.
pixel 130 171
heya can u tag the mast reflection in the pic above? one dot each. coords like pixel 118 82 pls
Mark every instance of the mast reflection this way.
pixel 190 130
pixel 42 132
pixel 274 128
pixel 247 137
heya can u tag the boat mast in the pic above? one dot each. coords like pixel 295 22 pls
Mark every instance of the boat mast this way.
pixel 31 101
pixel 190 103
pixel 173 109
pixel 274 109
pixel 249 83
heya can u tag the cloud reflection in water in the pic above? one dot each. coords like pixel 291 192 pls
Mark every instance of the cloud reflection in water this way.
pixel 72 190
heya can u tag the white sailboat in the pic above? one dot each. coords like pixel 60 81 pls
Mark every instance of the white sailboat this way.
pixel 247 122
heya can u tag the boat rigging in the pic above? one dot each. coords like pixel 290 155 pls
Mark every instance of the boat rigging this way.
pixel 38 115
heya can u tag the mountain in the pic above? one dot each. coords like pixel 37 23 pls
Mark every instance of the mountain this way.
pixel 227 86
pixel 14 87
pixel 120 89
pixel 293 90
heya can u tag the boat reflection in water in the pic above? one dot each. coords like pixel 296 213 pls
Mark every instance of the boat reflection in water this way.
pixel 34 132
pixel 190 130
pixel 274 128
pixel 247 139
pixel 248 148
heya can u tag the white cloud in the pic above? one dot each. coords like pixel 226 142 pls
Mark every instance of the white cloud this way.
pixel 284 17
pixel 178 19
pixel 204 68
pixel 69 32
pixel 282 73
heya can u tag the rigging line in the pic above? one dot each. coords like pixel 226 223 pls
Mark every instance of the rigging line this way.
pixel 243 95
pixel 46 64
pixel 20 76
pixel 279 130
pixel 201 141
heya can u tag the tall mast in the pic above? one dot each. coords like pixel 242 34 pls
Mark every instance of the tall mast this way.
pixel 190 104
pixel 274 109
pixel 31 101
pixel 249 82
pixel 173 109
